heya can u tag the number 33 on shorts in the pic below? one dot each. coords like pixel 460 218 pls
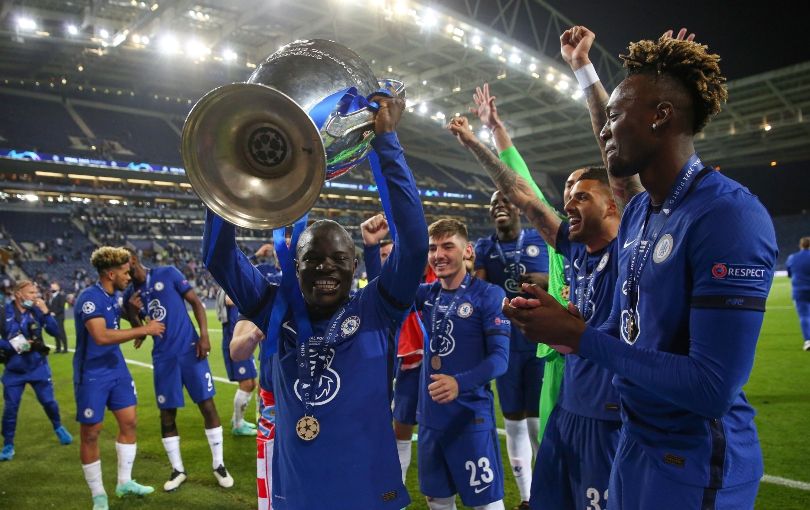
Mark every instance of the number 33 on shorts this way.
pixel 593 499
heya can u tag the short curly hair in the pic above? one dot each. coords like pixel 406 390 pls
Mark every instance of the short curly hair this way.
pixel 690 64
pixel 108 257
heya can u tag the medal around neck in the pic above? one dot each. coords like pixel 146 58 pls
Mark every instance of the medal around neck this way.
pixel 436 362
pixel 307 428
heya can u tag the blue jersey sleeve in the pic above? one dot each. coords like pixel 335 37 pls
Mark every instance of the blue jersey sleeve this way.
pixel 731 271
pixel 242 282
pixel 89 308
pixel 47 321
pixel 402 272
pixel 497 329
pixel 181 284
pixel 563 245
pixel 480 253
pixel 371 258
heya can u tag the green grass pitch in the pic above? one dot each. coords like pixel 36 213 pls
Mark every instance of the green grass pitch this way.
pixel 45 474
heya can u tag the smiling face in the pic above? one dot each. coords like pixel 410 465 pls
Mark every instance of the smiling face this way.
pixel 446 255
pixel 588 207
pixel 504 214
pixel 326 265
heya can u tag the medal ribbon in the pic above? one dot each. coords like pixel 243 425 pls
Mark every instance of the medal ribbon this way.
pixel 451 308
pixel 584 293
pixel 512 270
pixel 650 230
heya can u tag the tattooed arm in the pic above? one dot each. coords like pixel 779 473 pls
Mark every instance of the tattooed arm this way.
pixel 515 187
pixel 575 44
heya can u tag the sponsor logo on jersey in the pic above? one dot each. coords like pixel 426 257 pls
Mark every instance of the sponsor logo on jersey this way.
pixel 465 310
pixel 158 286
pixel 88 413
pixel 156 310
pixel 532 250
pixel 349 326
pixel 447 343
pixel 87 308
pixel 740 272
pixel 663 248
pixel 328 384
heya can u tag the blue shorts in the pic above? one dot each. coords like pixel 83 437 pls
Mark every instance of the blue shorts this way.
pixel 171 374
pixel 93 398
pixel 636 484
pixel 803 309
pixel 467 464
pixel 406 394
pixel 238 370
pixel 519 387
pixel 574 461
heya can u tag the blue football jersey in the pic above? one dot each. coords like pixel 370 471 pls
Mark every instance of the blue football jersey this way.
pixel 94 362
pixel 533 259
pixel 715 252
pixel 474 330
pixel 162 293
pixel 798 267
pixel 587 388
pixel 356 378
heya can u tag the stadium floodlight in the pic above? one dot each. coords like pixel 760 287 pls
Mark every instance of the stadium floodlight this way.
pixel 484 135
pixel 429 18
pixel 423 108
pixel 766 126
pixel 169 44
pixel 476 39
pixel 550 77
pixel 515 58
pixel 229 55
pixel 72 29
pixel 532 67
pixel 449 28
pixel 28 24
pixel 196 49
pixel 104 33
pixel 496 50
pixel 577 94
pixel 31 197
pixel 145 40
pixel 440 115
pixel 136 38
pixel 562 85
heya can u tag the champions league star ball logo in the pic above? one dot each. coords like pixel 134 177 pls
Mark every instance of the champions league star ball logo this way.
pixel 350 326
pixel 87 308
pixel 328 384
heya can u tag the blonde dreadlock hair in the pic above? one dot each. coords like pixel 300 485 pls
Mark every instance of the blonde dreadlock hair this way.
pixel 690 64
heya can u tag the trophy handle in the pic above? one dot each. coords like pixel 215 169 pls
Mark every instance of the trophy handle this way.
pixel 361 120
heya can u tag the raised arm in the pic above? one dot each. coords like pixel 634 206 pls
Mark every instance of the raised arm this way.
pixel 575 45
pixel 373 231
pixel 231 269
pixel 515 187
pixel 400 276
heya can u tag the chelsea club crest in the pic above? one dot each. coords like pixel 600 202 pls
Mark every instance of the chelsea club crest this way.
pixel 603 261
pixel 663 248
pixel 349 326
pixel 159 286
pixel 465 310
pixel 532 250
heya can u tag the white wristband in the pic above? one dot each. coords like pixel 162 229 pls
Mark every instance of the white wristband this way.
pixel 586 76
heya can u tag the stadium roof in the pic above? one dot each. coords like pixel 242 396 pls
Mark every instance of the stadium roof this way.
pixel 182 47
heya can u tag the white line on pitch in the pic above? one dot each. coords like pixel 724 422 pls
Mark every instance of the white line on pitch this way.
pixel 775 480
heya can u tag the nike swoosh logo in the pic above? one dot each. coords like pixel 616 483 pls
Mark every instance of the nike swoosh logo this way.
pixel 494 256
pixel 629 243
pixel 482 489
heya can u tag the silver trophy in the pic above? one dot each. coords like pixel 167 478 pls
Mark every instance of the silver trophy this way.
pixel 252 151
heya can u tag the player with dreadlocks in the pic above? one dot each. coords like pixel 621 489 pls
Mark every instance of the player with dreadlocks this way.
pixel 696 264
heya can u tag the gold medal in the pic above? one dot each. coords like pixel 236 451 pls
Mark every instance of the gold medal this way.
pixel 307 428
pixel 436 362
